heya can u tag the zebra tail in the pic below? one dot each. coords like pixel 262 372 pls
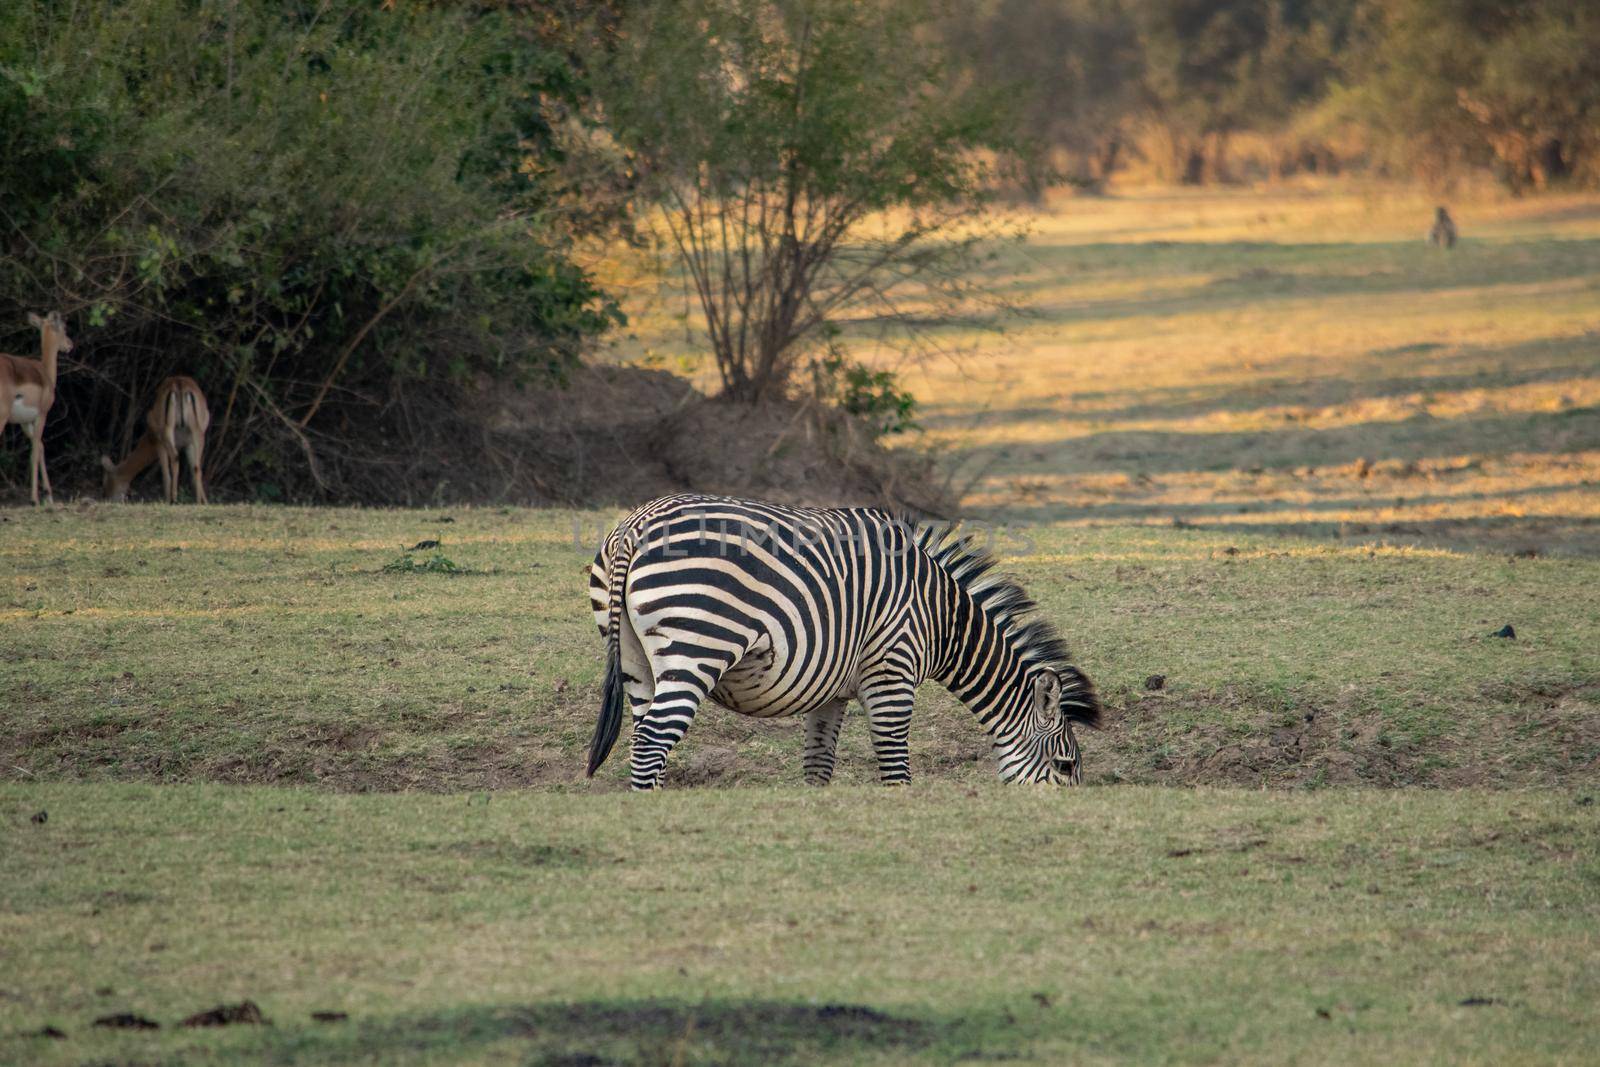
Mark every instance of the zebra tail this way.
pixel 610 722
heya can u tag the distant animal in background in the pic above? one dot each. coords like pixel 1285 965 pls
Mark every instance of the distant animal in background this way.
pixel 177 420
pixel 28 389
pixel 1443 234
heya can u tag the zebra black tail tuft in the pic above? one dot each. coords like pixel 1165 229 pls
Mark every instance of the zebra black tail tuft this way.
pixel 610 721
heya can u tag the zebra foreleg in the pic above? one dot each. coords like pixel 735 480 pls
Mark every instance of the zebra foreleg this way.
pixel 889 715
pixel 822 739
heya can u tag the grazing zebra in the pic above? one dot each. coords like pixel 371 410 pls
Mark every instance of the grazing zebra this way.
pixel 775 610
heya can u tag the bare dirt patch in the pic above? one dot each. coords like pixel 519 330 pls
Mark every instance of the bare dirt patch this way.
pixel 621 435
pixel 1235 737
pixel 245 1012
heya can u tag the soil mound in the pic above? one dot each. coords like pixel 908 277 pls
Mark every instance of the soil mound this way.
pixel 621 435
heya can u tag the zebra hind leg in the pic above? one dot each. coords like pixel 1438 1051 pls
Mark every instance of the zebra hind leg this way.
pixel 822 739
pixel 678 693
pixel 889 714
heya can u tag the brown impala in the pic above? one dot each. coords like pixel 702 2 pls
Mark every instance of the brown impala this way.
pixel 28 388
pixel 178 419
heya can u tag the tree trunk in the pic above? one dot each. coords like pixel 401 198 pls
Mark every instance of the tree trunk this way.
pixel 1192 166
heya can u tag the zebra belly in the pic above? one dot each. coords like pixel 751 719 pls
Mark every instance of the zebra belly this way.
pixel 759 686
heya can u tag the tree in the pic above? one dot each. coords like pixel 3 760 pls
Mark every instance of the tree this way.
pixel 807 161
pixel 1070 70
pixel 1454 83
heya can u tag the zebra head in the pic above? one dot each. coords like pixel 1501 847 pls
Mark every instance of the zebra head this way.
pixel 1044 747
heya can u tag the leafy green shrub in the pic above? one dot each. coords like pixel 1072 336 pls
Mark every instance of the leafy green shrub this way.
pixel 337 216
pixel 437 563
pixel 874 396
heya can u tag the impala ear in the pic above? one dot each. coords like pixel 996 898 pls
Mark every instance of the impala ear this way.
pixel 1047 700
pixel 35 321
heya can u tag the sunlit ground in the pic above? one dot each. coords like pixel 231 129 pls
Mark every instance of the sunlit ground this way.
pixel 1294 361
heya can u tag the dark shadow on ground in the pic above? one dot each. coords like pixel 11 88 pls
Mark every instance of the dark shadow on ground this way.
pixel 1119 511
pixel 1251 271
pixel 1545 360
pixel 1419 437
pixel 627 1032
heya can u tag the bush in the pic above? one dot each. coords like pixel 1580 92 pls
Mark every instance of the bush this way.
pixel 336 216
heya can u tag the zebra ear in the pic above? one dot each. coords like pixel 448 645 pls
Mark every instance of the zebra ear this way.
pixel 1047 700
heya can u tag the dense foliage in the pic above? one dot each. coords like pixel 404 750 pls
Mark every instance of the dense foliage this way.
pixel 337 216
pixel 1425 88
pixel 1515 87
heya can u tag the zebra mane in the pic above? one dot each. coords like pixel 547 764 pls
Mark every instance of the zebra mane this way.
pixel 997 594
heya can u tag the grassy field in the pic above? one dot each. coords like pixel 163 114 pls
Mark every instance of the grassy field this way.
pixel 1265 446
pixel 270 645
pixel 780 925
pixel 1294 361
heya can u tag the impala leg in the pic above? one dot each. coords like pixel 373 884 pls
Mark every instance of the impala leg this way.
pixel 169 472
pixel 33 467
pixel 194 451
pixel 36 467
pixel 822 740
pixel 44 467
pixel 889 715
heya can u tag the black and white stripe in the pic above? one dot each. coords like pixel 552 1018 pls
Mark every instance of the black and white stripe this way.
pixel 773 610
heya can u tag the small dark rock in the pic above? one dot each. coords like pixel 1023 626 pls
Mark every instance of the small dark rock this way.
pixel 1155 682
pixel 1584 802
pixel 446 518
pixel 40 818
pixel 1323 1013
pixel 1042 999
pixel 1179 853
pixel 1505 631
pixel 51 1031
pixel 127 1020
pixel 1479 1002
pixel 227 1015
pixel 330 1016
pixel 420 545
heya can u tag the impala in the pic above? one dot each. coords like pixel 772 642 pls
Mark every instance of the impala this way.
pixel 178 419
pixel 28 388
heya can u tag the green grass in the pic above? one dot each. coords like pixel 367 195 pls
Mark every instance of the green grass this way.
pixel 784 925
pixel 263 645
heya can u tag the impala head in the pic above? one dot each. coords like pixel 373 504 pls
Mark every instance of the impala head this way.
pixel 1046 749
pixel 52 328
pixel 112 488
